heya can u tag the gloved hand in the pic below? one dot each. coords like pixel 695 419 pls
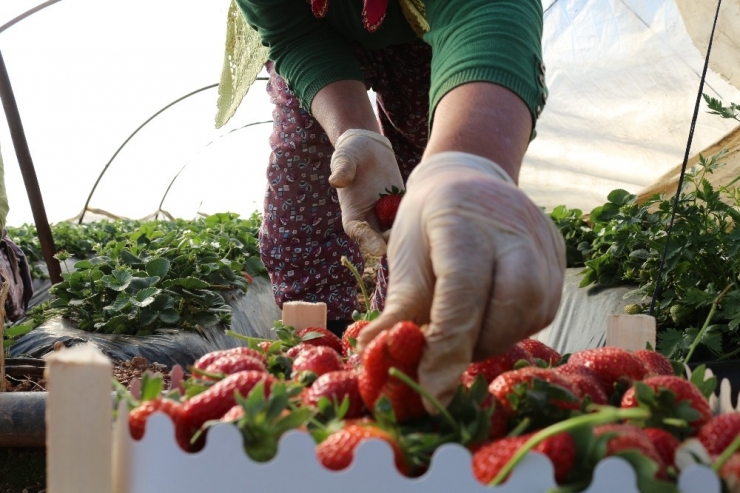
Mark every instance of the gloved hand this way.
pixel 362 167
pixel 471 256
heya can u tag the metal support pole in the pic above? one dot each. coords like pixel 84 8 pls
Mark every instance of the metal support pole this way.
pixel 29 174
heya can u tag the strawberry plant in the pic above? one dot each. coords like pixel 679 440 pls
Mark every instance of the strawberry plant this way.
pixel 149 275
pixel 623 243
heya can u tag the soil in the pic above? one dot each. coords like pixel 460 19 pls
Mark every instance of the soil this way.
pixel 123 371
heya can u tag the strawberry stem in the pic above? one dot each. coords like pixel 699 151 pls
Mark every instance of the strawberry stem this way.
pixel 604 414
pixel 699 336
pixel 203 373
pixel 395 372
pixel 242 337
pixel 356 273
pixel 519 429
pixel 726 454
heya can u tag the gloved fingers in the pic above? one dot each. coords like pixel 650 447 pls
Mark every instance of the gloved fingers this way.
pixel 343 169
pixel 527 291
pixel 386 235
pixel 411 282
pixel 462 289
pixel 445 358
pixel 369 239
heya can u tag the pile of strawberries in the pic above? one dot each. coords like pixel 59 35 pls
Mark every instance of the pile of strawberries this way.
pixel 576 409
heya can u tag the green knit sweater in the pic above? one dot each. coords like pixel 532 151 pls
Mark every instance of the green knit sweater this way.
pixel 472 40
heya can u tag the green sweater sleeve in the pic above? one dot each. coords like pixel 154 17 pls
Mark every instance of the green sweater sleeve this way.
pixel 480 40
pixel 308 52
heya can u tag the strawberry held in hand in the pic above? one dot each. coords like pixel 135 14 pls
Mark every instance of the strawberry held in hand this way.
pixel 400 347
pixel 387 206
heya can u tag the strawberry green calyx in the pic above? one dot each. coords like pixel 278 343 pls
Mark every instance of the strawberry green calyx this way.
pixel 603 414
pixel 394 190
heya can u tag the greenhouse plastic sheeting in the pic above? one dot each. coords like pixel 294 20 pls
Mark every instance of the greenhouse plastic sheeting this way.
pixel 623 78
pixel 581 319
pixel 253 315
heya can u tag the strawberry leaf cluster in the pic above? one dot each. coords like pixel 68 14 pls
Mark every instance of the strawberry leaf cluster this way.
pixel 623 242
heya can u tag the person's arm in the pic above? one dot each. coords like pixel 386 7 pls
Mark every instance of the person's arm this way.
pixel 471 257
pixel 308 52
pixel 344 105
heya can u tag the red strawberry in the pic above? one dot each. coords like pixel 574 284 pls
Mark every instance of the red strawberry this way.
pixel 138 417
pixel 611 365
pixel 584 371
pixel 629 437
pixel 327 338
pixel 234 363
pixel 683 390
pixel 584 383
pixel 338 449
pixel 373 13
pixel 296 350
pixel 505 385
pixel 494 366
pixel 490 459
pixel 318 360
pixel 353 362
pixel 540 350
pixel 205 360
pixel 387 205
pixel 665 444
pixel 499 420
pixel 215 401
pixel 656 363
pixel 351 333
pixel 400 347
pixel 319 7
pixel 730 473
pixel 719 432
pixel 336 386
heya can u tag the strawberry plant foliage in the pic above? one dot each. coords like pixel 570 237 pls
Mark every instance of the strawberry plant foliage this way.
pixel 622 242
pixel 144 276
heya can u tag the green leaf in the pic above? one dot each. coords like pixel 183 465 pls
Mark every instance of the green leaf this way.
pixel 118 280
pixel 151 386
pixel 707 386
pixel 169 316
pixel 158 267
pixel 188 283
pixel 145 297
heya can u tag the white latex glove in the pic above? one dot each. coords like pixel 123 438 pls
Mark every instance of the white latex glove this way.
pixel 362 167
pixel 471 256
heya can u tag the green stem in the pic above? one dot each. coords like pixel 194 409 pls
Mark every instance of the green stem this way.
pixel 698 337
pixel 242 337
pixel 519 429
pixel 395 372
pixel 356 273
pixel 726 454
pixel 605 414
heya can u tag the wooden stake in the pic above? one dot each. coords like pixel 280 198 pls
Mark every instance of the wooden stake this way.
pixel 4 290
pixel 79 421
pixel 631 332
pixel 302 314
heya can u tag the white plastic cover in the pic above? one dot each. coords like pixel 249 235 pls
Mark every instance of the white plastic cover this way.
pixel 623 78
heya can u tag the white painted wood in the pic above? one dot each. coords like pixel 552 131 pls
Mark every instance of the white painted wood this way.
pixel 302 314
pixel 78 421
pixel 630 332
